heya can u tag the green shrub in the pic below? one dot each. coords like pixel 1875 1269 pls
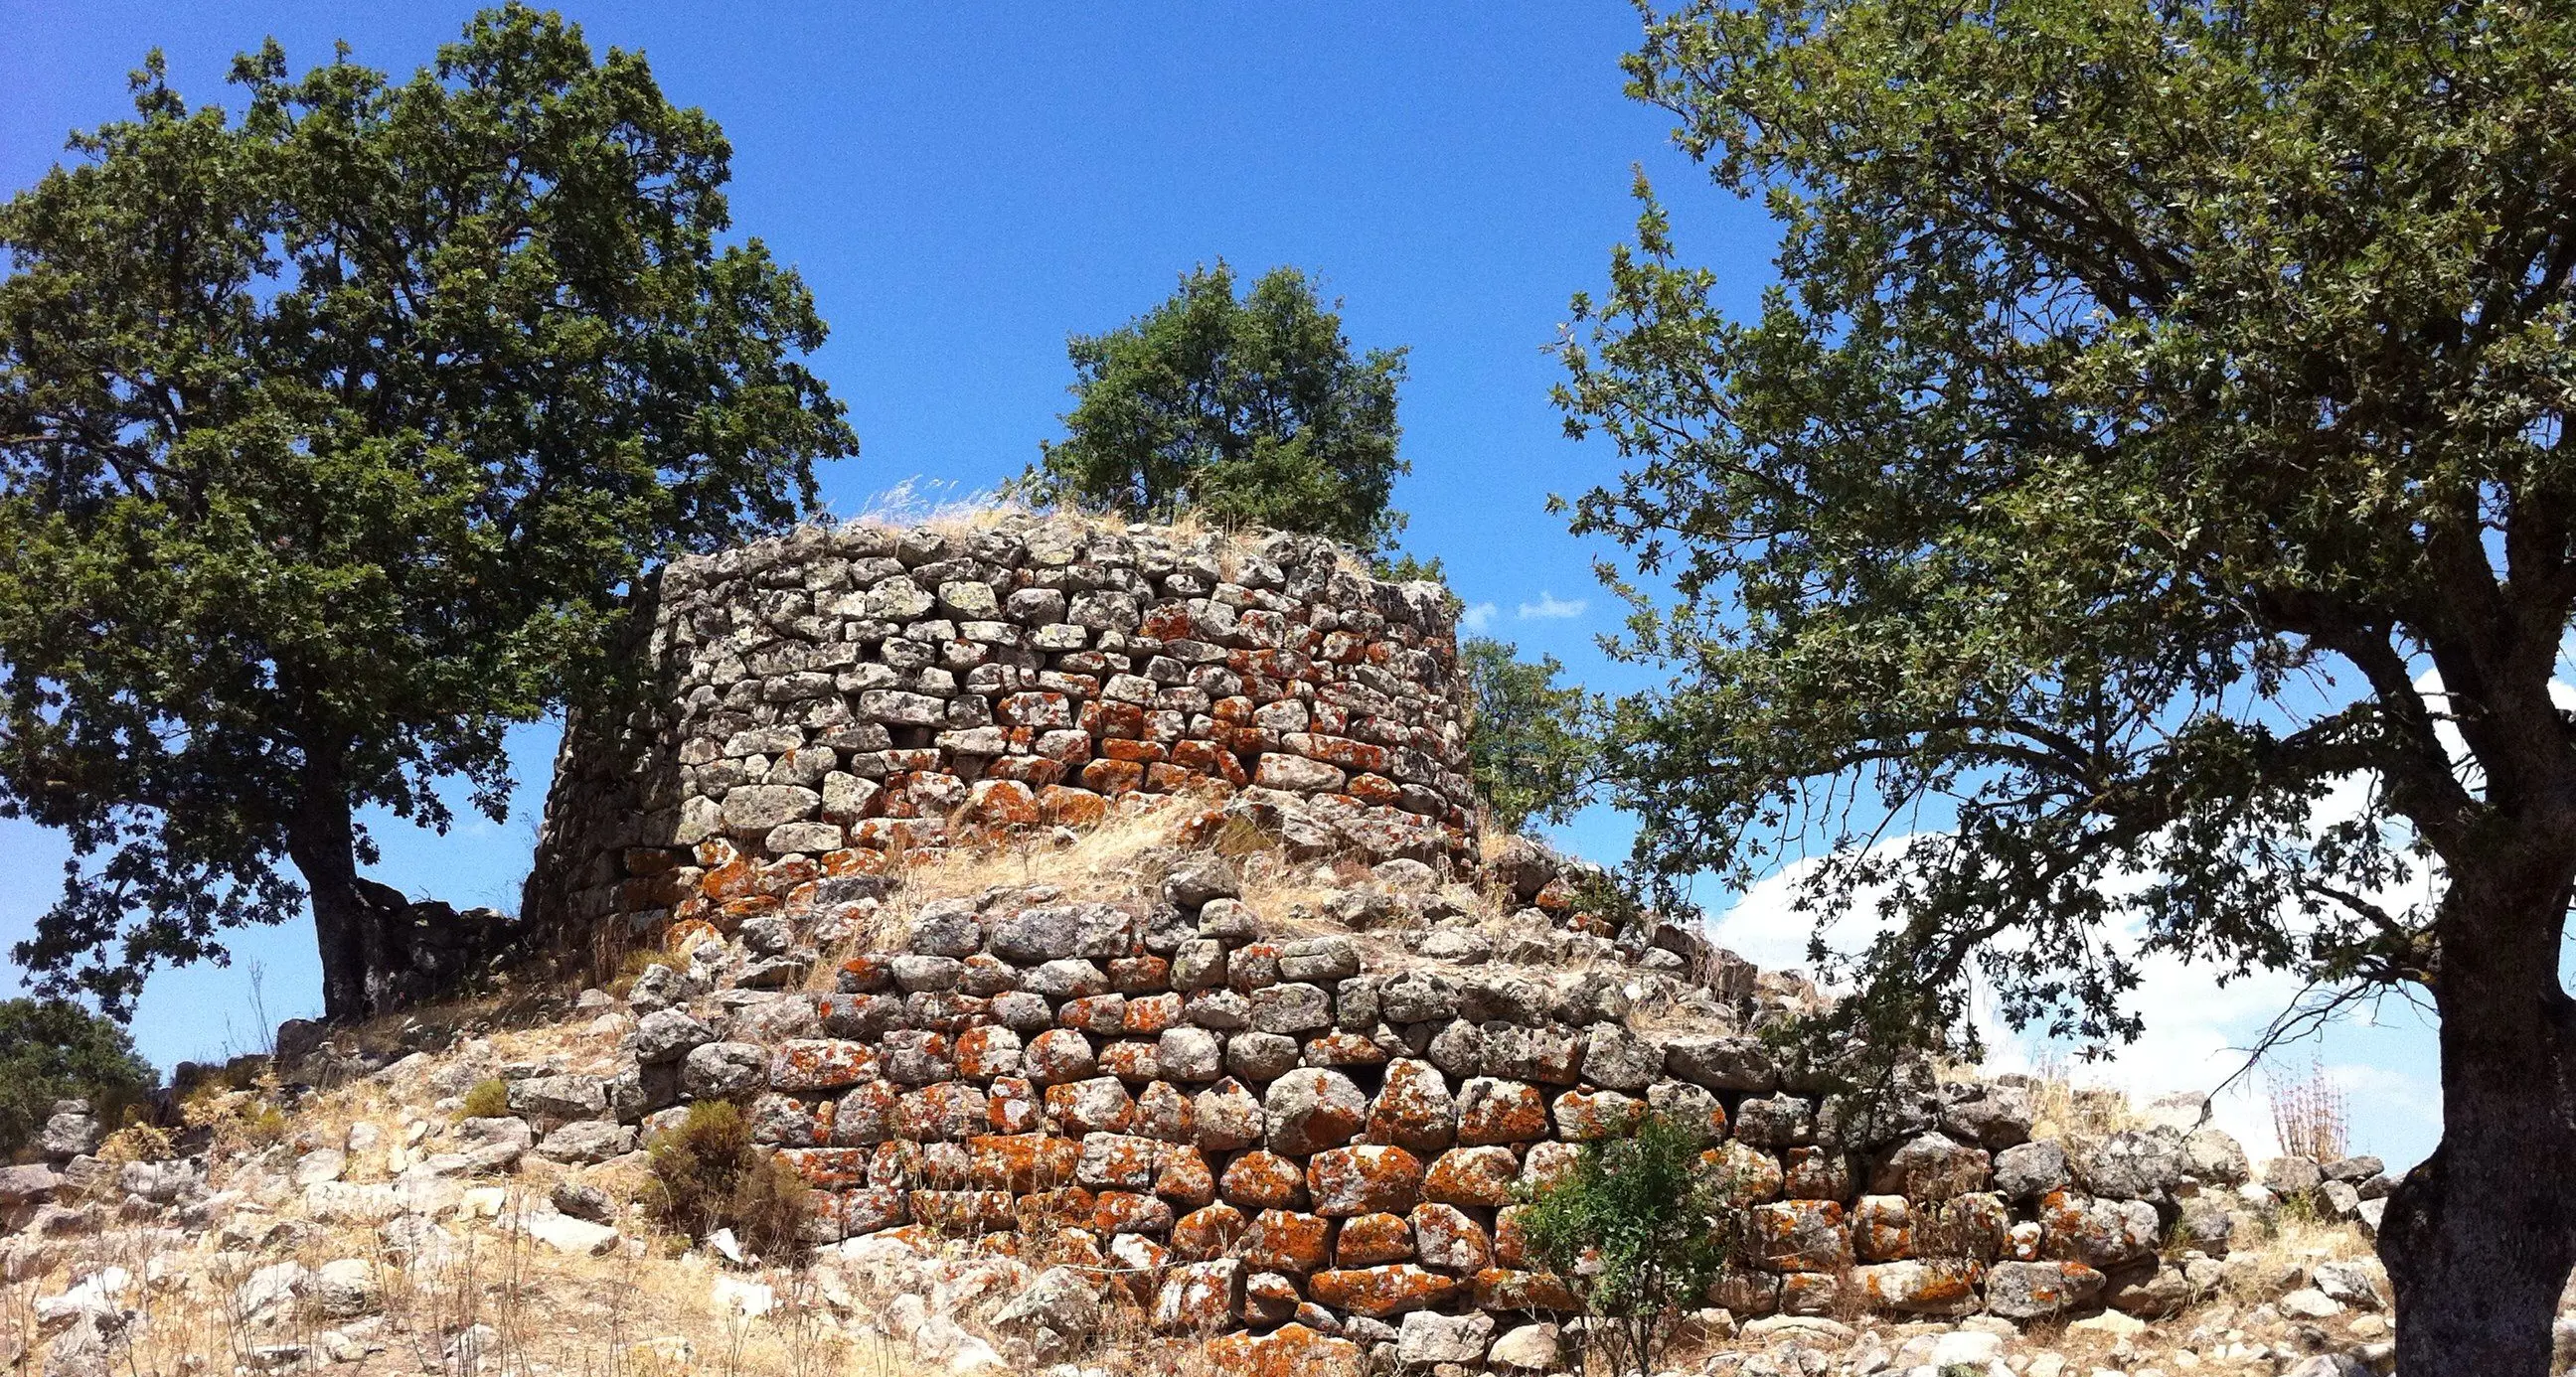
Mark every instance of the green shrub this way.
pixel 51 1050
pixel 707 1176
pixel 1639 1228
pixel 487 1100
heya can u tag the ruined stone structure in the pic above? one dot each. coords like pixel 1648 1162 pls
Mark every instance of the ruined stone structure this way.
pixel 1259 1131
pixel 832 700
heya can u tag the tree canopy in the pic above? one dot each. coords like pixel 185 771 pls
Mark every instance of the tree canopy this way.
pixel 1247 409
pixel 1534 747
pixel 334 438
pixel 2138 521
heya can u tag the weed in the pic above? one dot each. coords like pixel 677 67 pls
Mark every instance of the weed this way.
pixel 489 1099
pixel 707 1176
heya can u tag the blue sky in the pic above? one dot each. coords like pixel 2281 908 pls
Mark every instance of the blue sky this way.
pixel 962 187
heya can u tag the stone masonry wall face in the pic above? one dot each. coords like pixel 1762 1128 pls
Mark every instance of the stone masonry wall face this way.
pixel 1264 1133
pixel 825 702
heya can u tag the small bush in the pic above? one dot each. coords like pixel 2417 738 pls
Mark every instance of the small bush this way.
pixel 707 1176
pixel 238 1118
pixel 136 1142
pixel 1638 1229
pixel 487 1100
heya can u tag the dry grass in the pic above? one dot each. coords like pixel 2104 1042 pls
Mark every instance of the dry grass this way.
pixel 2079 1116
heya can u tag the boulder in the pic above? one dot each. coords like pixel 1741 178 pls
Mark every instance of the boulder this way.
pixel 1529 1348
pixel 2031 1169
pixel 1425 1338
pixel 2037 1290
pixel 2214 1157
pixel 2133 1165
pixel 716 1070
pixel 1311 1109
pixel 1722 1062
pixel 668 1035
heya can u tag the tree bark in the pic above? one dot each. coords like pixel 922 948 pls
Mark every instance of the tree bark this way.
pixel 321 839
pixel 2479 1239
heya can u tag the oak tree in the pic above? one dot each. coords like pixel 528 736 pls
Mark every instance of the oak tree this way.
pixel 1246 409
pixel 2138 521
pixel 335 436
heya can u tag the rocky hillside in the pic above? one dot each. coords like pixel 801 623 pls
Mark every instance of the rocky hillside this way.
pixel 1166 1094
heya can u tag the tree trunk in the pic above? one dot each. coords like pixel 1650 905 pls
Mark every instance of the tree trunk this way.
pixel 2479 1239
pixel 322 840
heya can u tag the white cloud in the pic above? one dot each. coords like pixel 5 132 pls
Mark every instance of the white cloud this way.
pixel 1550 607
pixel 1477 617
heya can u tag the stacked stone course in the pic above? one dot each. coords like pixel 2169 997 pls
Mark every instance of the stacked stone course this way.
pixel 1267 1134
pixel 824 705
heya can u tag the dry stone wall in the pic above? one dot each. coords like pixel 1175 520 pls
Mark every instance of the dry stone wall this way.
pixel 818 706
pixel 1266 1133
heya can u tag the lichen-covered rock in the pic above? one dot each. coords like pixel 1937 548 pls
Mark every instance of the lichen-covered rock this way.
pixel 1690 1107
pixel 1208 1232
pixel 1586 1118
pixel 1932 1286
pixel 1472 1176
pixel 1023 1163
pixel 1225 1116
pixel 1290 1241
pixel 1492 1110
pixel 1931 1166
pixel 1311 1108
pixel 2037 1290
pixel 1414 1110
pixel 1115 1161
pixel 1450 1240
pixel 1800 1236
pixel 718 1070
pixel 1098 1105
pixel 1199 1296
pixel 1263 1180
pixel 816 1064
pixel 1379 1292
pixel 2133 1165
pixel 2031 1169
pixel 1291 1350
pixel 1260 1056
pixel 1363 1180
pixel 1190 1054
pixel 1722 1062
pixel 1882 1228
pixel 1616 1059
pixel 1058 1056
pixel 1744 1173
pixel 1370 1239
pixel 2102 1234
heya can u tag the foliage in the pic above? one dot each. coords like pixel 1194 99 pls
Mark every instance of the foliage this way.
pixel 1534 746
pixel 52 1050
pixel 238 1117
pixel 1638 1227
pixel 707 1176
pixel 1248 410
pixel 488 1099
pixel 135 1142
pixel 333 440
pixel 2138 524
